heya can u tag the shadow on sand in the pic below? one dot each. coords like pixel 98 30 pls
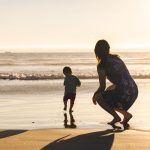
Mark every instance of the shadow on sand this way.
pixel 7 133
pixel 91 141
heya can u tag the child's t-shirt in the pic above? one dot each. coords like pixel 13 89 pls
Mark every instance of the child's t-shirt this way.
pixel 70 83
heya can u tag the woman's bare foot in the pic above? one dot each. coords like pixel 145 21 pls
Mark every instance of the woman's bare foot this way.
pixel 127 117
pixel 115 120
pixel 126 126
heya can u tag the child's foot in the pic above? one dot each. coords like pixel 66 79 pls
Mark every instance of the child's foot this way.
pixel 126 119
pixel 115 120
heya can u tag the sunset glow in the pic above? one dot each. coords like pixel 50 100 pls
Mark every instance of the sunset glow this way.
pixel 74 24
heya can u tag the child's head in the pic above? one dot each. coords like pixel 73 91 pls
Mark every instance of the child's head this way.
pixel 67 71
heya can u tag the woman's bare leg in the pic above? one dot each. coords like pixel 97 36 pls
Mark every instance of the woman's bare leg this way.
pixel 127 115
pixel 110 110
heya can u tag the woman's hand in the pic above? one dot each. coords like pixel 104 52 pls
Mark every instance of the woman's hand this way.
pixel 97 97
pixel 94 98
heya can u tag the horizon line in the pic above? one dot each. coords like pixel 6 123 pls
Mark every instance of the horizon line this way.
pixel 68 48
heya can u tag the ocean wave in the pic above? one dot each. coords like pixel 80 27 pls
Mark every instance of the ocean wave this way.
pixel 21 76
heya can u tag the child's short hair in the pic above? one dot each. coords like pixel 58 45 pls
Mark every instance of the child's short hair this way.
pixel 67 70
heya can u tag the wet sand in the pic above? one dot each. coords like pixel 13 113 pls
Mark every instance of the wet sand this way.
pixel 32 119
pixel 38 104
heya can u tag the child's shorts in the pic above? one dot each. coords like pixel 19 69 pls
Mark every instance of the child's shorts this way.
pixel 70 96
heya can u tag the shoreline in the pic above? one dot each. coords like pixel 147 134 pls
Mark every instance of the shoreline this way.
pixel 40 77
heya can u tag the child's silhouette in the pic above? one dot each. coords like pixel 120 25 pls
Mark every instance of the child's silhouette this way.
pixel 70 83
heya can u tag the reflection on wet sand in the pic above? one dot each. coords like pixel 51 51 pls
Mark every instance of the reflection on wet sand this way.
pixel 72 121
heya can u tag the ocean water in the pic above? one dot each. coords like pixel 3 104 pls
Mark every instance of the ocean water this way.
pixel 32 66
pixel 29 101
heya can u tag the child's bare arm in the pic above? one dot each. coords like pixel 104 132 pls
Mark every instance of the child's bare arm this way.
pixel 78 82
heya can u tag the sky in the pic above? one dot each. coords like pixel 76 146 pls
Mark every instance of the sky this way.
pixel 125 24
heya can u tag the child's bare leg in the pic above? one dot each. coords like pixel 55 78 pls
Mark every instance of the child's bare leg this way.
pixel 65 105
pixel 71 105
pixel 127 116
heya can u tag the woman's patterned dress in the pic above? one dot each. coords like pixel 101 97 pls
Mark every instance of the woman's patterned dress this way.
pixel 126 91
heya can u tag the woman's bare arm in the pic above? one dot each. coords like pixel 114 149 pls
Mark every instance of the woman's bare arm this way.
pixel 102 80
pixel 102 83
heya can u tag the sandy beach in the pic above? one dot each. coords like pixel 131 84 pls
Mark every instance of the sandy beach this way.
pixel 30 120
pixel 38 39
pixel 74 139
pixel 27 105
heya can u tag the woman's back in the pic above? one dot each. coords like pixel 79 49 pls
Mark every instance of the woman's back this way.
pixel 117 72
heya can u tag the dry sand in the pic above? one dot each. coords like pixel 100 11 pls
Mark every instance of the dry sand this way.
pixel 74 139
